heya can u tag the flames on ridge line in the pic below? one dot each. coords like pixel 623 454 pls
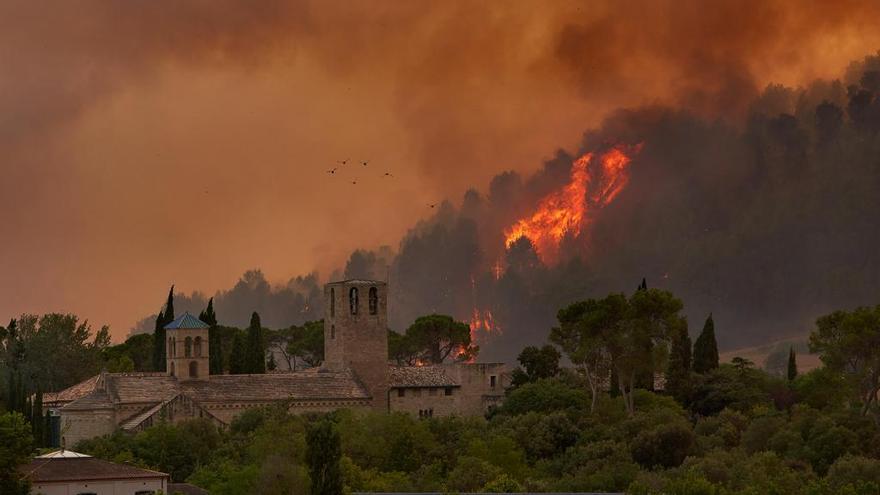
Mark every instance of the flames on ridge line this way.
pixel 595 181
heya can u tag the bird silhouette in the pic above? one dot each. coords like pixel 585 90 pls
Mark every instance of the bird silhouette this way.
pixel 354 182
pixel 387 174
pixel 333 170
pixel 365 162
pixel 342 162
pixel 431 205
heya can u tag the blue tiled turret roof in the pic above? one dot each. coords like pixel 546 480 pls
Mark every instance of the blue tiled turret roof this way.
pixel 186 321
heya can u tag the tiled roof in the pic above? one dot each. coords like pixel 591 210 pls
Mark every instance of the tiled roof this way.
pixel 98 399
pixel 359 281
pixel 186 489
pixel 152 389
pixel 186 321
pixel 276 386
pixel 71 393
pixel 420 376
pixel 83 469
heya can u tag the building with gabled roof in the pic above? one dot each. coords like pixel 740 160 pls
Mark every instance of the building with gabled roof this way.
pixel 65 472
pixel 355 375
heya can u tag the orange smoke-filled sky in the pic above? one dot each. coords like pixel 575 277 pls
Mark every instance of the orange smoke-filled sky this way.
pixel 150 143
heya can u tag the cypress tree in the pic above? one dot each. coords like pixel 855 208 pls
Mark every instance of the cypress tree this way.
pixel 323 455
pixel 678 374
pixel 792 364
pixel 38 421
pixel 237 358
pixel 706 348
pixel 159 343
pixel 215 344
pixel 165 316
pixel 255 353
pixel 169 306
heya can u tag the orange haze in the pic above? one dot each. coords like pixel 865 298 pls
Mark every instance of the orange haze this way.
pixel 150 143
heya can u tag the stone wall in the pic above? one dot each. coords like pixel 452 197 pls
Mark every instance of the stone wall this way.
pixel 179 359
pixel 82 425
pixel 420 401
pixel 482 386
pixel 356 334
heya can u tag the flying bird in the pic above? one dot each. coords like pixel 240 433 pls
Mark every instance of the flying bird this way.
pixel 387 174
pixel 365 162
pixel 431 205
pixel 354 182
pixel 342 162
pixel 333 170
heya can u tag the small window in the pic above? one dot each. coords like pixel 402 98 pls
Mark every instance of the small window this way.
pixel 448 391
pixel 172 368
pixel 332 331
pixel 197 347
pixel 374 300
pixel 353 300
pixel 431 412
pixel 187 347
pixel 401 392
pixel 193 369
pixel 492 381
pixel 332 302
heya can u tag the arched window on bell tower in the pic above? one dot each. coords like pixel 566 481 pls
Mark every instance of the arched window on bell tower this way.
pixel 197 347
pixel 187 347
pixel 374 300
pixel 193 369
pixel 353 300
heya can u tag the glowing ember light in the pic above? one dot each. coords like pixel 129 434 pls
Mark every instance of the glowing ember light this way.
pixel 482 321
pixel 594 184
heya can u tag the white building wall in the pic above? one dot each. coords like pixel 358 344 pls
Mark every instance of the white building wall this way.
pixel 109 487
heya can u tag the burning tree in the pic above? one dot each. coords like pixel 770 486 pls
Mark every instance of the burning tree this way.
pixel 432 339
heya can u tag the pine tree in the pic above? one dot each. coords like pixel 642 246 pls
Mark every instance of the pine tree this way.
pixel 706 348
pixel 323 455
pixel 678 374
pixel 165 316
pixel 238 356
pixel 255 352
pixel 792 364
pixel 215 344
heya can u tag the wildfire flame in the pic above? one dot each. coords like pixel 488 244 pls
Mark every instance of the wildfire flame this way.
pixel 565 211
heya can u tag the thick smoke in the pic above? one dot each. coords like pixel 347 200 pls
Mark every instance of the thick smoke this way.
pixel 765 226
pixel 145 143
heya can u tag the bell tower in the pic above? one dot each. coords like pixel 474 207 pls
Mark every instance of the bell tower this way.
pixel 356 333
pixel 187 348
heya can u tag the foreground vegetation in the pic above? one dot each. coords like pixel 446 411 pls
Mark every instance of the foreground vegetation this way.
pixel 598 425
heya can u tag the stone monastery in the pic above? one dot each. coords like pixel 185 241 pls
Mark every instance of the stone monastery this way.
pixel 355 374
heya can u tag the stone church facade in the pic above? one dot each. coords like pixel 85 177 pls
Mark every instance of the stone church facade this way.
pixel 355 374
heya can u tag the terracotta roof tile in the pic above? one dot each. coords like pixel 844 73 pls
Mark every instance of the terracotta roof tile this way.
pixel 277 386
pixel 83 468
pixel 152 388
pixel 72 393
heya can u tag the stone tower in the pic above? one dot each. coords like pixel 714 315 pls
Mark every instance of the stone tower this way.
pixel 187 351
pixel 356 333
